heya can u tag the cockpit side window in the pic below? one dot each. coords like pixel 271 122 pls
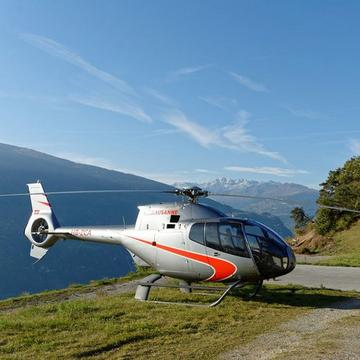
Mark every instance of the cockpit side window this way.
pixel 232 239
pixel 254 235
pixel 197 233
pixel 212 236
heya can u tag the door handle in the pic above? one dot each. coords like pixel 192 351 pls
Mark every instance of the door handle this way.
pixel 216 253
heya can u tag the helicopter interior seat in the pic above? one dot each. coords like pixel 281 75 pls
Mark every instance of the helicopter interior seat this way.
pixel 232 239
pixel 227 241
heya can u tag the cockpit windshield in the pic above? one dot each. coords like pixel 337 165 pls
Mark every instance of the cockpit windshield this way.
pixel 240 237
pixel 268 249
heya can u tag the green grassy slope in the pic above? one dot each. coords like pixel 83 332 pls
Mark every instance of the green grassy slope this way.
pixel 116 326
pixel 342 248
pixel 346 248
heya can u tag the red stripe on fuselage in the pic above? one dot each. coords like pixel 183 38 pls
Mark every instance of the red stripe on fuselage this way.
pixel 223 269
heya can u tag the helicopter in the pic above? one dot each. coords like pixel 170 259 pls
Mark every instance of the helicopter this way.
pixel 185 240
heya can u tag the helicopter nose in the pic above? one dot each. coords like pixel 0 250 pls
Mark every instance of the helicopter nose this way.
pixel 291 260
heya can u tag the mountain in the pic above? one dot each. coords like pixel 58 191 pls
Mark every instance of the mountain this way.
pixel 299 194
pixel 71 261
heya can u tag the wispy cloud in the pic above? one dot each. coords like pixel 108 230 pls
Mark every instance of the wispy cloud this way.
pixel 120 107
pixel 267 170
pixel 160 96
pixel 53 101
pixel 249 83
pixel 239 137
pixel 354 146
pixel 58 50
pixel 199 133
pixel 158 132
pixel 321 134
pixel 220 102
pixel 205 171
pixel 127 100
pixel 177 74
pixel 305 113
pixel 235 136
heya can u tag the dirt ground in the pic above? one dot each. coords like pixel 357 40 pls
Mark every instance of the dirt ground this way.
pixel 329 333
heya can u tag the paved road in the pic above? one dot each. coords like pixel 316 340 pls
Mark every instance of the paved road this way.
pixel 332 277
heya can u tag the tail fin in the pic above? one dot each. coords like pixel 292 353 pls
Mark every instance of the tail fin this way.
pixel 39 200
pixel 42 221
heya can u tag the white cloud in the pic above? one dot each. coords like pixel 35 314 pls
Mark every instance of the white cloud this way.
pixel 235 136
pixel 58 50
pixel 267 170
pixel 177 74
pixel 220 102
pixel 126 97
pixel 205 171
pixel 239 137
pixel 199 133
pixel 354 146
pixel 305 113
pixel 249 83
pixel 120 107
pixel 160 96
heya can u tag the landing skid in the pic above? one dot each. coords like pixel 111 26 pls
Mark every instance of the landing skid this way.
pixel 144 287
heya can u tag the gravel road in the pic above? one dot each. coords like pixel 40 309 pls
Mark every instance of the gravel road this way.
pixel 320 334
pixel 331 277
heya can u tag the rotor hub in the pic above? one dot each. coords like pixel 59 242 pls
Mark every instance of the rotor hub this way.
pixel 192 193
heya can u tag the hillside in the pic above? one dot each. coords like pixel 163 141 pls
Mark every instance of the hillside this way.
pixel 69 261
pixel 296 193
pixel 343 246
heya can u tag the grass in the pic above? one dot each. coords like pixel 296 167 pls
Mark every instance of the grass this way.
pixel 63 294
pixel 342 250
pixel 113 327
pixel 347 248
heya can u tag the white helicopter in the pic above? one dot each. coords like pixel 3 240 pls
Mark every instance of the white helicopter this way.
pixel 188 241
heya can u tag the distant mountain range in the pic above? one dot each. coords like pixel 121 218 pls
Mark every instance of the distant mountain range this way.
pixel 71 261
pixel 300 194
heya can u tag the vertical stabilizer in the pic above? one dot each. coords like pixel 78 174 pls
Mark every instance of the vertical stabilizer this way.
pixel 39 201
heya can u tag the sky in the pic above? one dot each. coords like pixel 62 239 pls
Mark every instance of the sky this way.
pixel 184 91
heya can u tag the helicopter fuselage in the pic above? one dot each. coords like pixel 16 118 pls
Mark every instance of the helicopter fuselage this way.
pixel 195 242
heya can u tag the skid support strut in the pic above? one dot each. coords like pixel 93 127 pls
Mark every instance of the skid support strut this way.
pixel 144 287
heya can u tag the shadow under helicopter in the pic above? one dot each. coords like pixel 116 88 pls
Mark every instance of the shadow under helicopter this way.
pixel 299 297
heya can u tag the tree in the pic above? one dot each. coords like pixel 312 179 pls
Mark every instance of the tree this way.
pixel 342 189
pixel 299 217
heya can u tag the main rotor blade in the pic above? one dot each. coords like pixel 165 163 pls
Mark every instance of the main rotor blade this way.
pixel 339 208
pixel 254 197
pixel 286 202
pixel 79 192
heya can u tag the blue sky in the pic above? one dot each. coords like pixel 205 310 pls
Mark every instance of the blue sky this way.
pixel 184 91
